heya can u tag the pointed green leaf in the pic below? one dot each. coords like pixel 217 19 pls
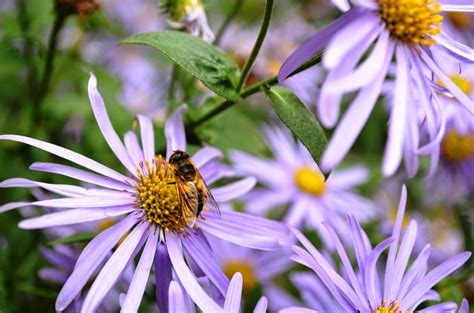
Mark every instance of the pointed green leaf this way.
pixel 298 119
pixel 202 60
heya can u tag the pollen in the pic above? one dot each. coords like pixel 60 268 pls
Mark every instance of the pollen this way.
pixel 158 197
pixel 412 21
pixel 246 269
pixel 394 307
pixel 310 181
pixel 456 147
pixel 462 82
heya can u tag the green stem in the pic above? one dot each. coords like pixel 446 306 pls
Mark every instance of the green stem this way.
pixel 232 14
pixel 49 60
pixel 257 87
pixel 24 23
pixel 258 44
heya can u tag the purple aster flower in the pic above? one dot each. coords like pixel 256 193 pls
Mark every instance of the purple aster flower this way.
pixel 400 288
pixel 257 268
pixel 62 259
pixel 408 30
pixel 179 302
pixel 296 181
pixel 152 215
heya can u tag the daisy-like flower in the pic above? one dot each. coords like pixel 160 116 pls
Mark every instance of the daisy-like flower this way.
pixel 258 268
pixel 409 30
pixel 152 215
pixel 188 14
pixel 179 302
pixel 296 181
pixel 401 288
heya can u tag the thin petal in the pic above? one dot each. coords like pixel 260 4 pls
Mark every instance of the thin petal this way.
pixel 74 216
pixel 433 277
pixel 133 148
pixel 313 45
pixel 370 272
pixel 398 116
pixel 204 258
pixel 367 70
pixel 234 294
pixel 354 120
pixel 460 51
pixel 106 127
pixel 261 306
pixel 91 257
pixel 68 155
pixel 190 284
pixel 140 277
pixel 174 132
pixel 176 298
pixel 346 39
pixel 148 137
pixel 114 267
pixel 64 190
pixel 163 276
pixel 206 155
pixel 81 175
pixel 234 190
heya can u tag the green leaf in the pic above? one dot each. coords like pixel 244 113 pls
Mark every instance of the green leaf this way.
pixel 298 119
pixel 75 238
pixel 203 61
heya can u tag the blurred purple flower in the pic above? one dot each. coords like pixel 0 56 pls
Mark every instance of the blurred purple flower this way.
pixel 293 177
pixel 257 268
pixel 232 304
pixel 397 30
pixel 403 287
pixel 163 234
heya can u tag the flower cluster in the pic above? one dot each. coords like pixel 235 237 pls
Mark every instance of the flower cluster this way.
pixel 210 200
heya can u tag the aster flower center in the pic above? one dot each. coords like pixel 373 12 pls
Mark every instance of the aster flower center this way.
pixel 310 181
pixel 456 147
pixel 462 82
pixel 412 21
pixel 246 269
pixel 158 197
pixel 394 307
pixel 460 19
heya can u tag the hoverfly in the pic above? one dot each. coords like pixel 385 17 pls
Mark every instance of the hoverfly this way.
pixel 192 190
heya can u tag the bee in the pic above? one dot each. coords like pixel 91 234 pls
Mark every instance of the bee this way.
pixel 191 188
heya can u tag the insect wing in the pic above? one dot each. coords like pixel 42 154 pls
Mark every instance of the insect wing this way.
pixel 188 197
pixel 210 202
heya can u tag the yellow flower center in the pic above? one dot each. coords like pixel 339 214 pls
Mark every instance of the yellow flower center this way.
pixel 460 19
pixel 412 21
pixel 462 82
pixel 157 195
pixel 310 181
pixel 393 217
pixel 456 147
pixel 394 307
pixel 247 271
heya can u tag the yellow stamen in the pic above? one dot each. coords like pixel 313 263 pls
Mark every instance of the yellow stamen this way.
pixel 157 195
pixel 310 181
pixel 456 147
pixel 460 19
pixel 247 271
pixel 412 21
pixel 394 307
